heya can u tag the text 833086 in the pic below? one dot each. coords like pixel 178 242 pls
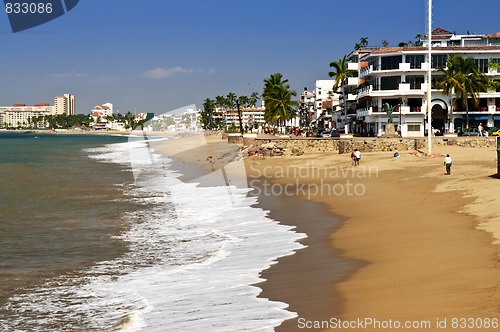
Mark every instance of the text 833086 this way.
pixel 28 8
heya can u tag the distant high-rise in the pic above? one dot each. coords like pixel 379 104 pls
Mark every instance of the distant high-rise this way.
pixel 65 104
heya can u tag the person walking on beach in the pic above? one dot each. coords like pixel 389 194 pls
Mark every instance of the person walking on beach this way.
pixel 357 157
pixel 480 129
pixel 447 163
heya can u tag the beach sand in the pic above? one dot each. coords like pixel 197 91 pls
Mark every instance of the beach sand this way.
pixel 393 239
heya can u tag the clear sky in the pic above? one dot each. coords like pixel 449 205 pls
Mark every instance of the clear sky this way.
pixel 159 55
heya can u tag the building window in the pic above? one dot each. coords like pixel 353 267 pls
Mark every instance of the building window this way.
pixel 391 62
pixel 414 127
pixel 390 82
pixel 439 60
pixel 415 81
pixel 482 65
pixel 415 61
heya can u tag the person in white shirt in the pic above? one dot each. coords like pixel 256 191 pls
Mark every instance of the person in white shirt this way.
pixel 480 129
pixel 357 155
pixel 447 163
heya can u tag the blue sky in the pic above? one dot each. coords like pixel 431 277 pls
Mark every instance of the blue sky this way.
pixel 159 55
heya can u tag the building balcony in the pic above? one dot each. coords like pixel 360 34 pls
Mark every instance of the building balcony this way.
pixel 402 67
pixel 354 66
pixel 378 111
pixel 403 89
pixel 353 81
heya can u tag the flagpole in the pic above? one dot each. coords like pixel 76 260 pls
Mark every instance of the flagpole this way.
pixel 429 78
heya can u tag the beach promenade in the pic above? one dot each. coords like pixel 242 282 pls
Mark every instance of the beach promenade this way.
pixel 392 241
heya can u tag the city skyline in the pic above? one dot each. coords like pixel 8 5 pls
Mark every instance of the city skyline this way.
pixel 155 57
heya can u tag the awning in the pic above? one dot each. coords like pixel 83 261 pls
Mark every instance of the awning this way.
pixel 496 117
pixel 476 117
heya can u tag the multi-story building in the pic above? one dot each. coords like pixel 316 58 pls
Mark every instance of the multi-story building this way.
pixel 65 104
pixel 316 107
pixel 21 115
pixel 251 117
pixel 395 78
pixel 100 115
pixel 307 108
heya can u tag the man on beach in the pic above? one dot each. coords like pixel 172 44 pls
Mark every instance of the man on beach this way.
pixel 357 157
pixel 447 163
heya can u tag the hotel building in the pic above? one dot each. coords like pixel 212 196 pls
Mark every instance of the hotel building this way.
pixel 21 115
pixel 251 117
pixel 65 104
pixel 397 76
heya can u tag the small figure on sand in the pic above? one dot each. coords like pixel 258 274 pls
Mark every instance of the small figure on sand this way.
pixel 396 154
pixel 447 163
pixel 357 157
pixel 353 159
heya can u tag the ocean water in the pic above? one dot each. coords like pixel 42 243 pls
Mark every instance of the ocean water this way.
pixel 98 233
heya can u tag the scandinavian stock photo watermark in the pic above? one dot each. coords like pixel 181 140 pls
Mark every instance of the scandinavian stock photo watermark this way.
pixel 310 180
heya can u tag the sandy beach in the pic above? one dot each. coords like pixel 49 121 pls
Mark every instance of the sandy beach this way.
pixel 392 241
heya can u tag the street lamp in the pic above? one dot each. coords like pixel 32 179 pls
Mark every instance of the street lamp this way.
pixel 239 115
pixel 400 102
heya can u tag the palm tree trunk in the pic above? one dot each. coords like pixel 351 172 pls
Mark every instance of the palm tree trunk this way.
pixel 466 113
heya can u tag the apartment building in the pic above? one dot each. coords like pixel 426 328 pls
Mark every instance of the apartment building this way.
pixel 251 117
pixel 396 78
pixel 21 115
pixel 316 107
pixel 65 104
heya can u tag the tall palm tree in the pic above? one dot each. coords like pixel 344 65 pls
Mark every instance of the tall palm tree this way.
pixel 254 96
pixel 450 83
pixel 463 76
pixel 341 73
pixel 278 101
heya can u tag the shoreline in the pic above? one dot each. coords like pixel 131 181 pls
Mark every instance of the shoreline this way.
pixel 308 291
pixel 415 247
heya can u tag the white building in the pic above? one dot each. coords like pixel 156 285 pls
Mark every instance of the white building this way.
pixel 21 115
pixel 65 104
pixel 251 117
pixel 397 76
pixel 316 107
pixel 100 114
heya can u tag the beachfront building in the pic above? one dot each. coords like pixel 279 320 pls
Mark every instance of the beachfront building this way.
pixel 21 115
pixel 100 114
pixel 65 104
pixel 395 78
pixel 323 104
pixel 186 119
pixel 307 107
pixel 251 118
pixel 316 107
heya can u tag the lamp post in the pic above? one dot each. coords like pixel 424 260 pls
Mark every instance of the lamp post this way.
pixel 239 116
pixel 400 101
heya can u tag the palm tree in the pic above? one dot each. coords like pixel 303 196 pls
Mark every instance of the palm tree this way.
pixel 254 96
pixel 278 101
pixel 341 73
pixel 450 82
pixel 363 41
pixel 463 77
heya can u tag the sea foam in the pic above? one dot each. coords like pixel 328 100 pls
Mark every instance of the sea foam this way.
pixel 193 255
